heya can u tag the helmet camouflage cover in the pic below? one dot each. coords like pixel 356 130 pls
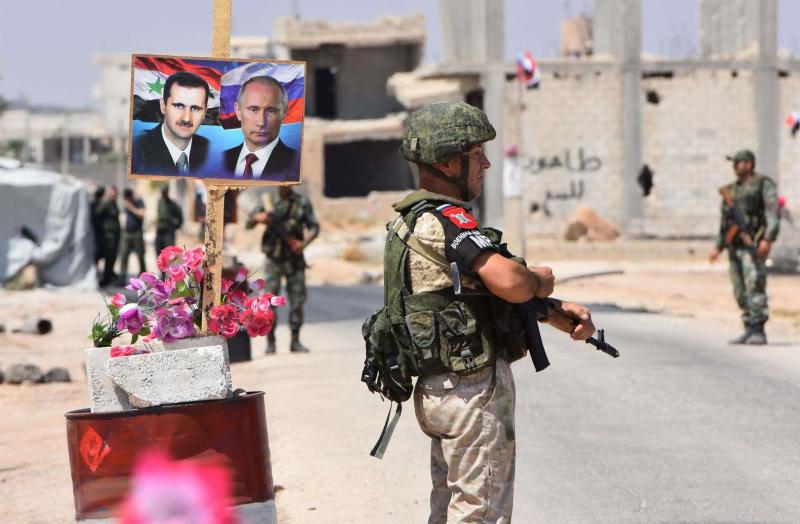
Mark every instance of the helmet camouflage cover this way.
pixel 437 132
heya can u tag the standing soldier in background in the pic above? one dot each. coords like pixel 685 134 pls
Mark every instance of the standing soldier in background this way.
pixel 97 199
pixel 106 215
pixel 748 227
pixel 169 220
pixel 291 226
pixel 133 235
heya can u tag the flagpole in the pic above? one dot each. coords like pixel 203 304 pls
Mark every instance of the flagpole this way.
pixel 215 206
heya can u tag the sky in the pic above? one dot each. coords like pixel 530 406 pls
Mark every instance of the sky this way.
pixel 43 40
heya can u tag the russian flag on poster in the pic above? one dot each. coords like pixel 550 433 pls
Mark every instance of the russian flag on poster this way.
pixel 149 76
pixel 793 121
pixel 528 70
pixel 292 76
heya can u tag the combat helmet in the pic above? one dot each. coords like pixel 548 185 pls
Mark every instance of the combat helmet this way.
pixel 439 131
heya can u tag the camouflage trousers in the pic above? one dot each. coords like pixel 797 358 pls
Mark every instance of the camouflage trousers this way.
pixel 295 277
pixel 749 278
pixel 131 241
pixel 472 456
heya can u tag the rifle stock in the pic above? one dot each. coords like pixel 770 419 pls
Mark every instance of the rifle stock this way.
pixel 737 228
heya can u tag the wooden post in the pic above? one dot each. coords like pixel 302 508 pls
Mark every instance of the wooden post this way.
pixel 215 208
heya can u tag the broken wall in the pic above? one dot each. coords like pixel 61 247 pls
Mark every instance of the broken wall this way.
pixel 572 149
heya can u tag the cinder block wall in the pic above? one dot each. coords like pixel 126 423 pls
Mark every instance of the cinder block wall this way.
pixel 703 115
pixel 568 118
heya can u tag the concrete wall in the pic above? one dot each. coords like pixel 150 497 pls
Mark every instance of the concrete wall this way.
pixel 703 115
pixel 361 76
pixel 789 147
pixel 574 116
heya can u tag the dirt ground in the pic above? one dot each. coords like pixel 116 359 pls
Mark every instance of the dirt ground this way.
pixel 35 484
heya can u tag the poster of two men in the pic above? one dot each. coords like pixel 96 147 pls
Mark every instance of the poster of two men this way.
pixel 235 120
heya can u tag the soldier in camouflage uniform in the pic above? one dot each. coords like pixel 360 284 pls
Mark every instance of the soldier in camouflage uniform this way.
pixel 755 197
pixel 469 416
pixel 291 227
pixel 168 220
pixel 106 216
pixel 133 233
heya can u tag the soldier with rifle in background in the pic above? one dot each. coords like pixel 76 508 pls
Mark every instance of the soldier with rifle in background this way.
pixel 748 227
pixel 290 227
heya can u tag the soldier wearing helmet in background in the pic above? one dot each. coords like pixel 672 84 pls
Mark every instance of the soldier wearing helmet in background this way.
pixel 464 396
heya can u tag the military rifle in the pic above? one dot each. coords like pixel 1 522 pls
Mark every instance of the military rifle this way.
pixel 545 310
pixel 738 228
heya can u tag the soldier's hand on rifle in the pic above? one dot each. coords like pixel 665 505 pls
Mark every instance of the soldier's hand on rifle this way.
pixel 714 255
pixel 546 280
pixel 581 314
pixel 762 251
pixel 296 246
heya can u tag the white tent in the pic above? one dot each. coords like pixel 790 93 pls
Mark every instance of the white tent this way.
pixel 55 208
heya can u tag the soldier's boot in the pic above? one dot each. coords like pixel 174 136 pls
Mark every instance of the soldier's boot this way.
pixel 744 337
pixel 270 344
pixel 758 337
pixel 296 346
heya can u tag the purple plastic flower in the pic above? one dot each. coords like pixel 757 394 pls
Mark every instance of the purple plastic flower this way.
pixel 130 318
pixel 172 323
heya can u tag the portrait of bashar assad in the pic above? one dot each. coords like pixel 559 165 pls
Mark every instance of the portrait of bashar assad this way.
pixel 261 106
pixel 173 147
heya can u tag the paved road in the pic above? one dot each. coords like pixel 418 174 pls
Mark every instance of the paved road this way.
pixel 681 428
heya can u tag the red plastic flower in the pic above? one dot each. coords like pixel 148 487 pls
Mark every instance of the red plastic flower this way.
pixel 170 260
pixel 223 320
pixel 236 298
pixel 164 491
pixel 126 351
pixel 257 323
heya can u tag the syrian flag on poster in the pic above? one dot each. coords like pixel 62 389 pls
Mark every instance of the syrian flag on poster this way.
pixel 528 70
pixel 149 76
pixel 290 75
pixel 793 121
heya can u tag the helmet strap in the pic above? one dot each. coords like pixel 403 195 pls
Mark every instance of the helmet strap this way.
pixel 459 182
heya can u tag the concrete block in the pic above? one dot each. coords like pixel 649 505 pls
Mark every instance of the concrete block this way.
pixel 172 377
pixel 105 396
pixel 252 513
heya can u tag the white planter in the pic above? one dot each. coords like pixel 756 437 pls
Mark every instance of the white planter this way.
pixel 186 371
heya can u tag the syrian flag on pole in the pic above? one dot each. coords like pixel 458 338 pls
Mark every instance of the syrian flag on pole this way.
pixel 528 70
pixel 149 76
pixel 291 76
pixel 793 121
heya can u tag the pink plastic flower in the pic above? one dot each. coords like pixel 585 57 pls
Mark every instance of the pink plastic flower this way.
pixel 198 275
pixel 170 260
pixel 193 258
pixel 278 301
pixel 261 303
pixel 241 275
pixel 164 491
pixel 118 300
pixel 226 285
pixel 172 323
pixel 257 323
pixel 257 284
pixel 130 318
pixel 223 320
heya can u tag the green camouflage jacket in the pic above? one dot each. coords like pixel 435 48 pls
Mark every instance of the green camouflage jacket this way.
pixel 169 217
pixel 757 200
pixel 296 216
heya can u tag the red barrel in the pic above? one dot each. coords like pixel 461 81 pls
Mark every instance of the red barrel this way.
pixel 103 447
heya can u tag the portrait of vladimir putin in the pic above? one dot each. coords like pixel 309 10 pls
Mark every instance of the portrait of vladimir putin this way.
pixel 261 107
pixel 172 147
